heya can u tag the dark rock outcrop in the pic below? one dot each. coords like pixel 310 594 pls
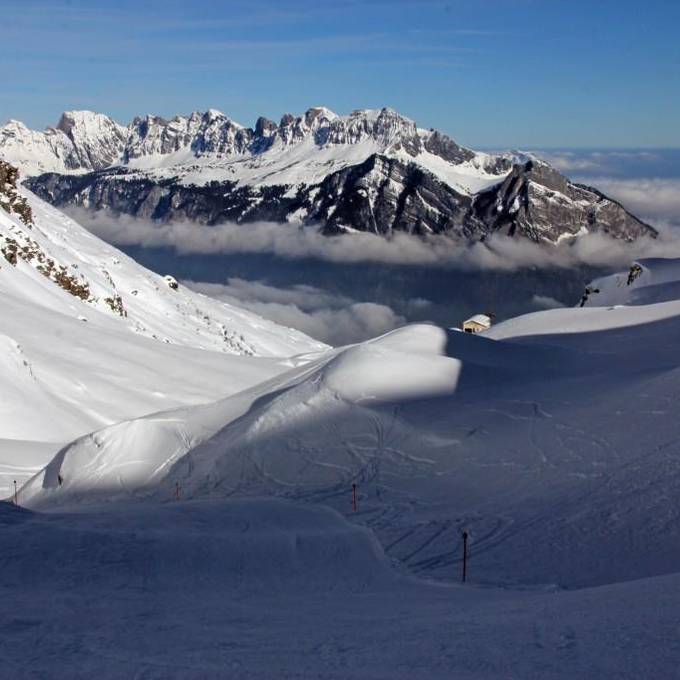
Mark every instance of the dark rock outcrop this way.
pixel 382 195
pixel 10 199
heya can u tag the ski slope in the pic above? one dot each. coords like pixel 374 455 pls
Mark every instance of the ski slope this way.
pixel 506 434
pixel 266 588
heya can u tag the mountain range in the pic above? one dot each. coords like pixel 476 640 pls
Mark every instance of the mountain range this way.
pixel 371 170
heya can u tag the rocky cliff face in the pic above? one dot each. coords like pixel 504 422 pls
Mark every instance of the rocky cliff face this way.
pixel 10 199
pixel 536 201
pixel 368 171
pixel 96 141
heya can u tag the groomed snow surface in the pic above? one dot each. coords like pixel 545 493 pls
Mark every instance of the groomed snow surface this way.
pixel 274 589
pixel 209 532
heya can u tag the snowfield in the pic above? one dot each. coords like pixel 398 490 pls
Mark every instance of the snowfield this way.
pixel 509 440
pixel 262 589
pixel 192 515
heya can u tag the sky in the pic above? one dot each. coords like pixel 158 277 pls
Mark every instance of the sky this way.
pixel 490 73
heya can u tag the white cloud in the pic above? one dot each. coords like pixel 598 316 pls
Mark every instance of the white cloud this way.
pixel 591 161
pixel 293 242
pixel 649 198
pixel 335 319
pixel 568 162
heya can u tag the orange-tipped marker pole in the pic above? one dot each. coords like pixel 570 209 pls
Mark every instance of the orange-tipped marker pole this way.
pixel 465 555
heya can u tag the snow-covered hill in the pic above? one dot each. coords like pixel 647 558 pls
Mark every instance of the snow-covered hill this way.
pixel 647 281
pixel 53 258
pixel 372 170
pixel 505 434
pixel 89 337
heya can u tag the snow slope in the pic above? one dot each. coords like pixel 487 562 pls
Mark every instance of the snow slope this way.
pixel 205 539
pixel 308 163
pixel 507 434
pixel 148 305
pixel 88 337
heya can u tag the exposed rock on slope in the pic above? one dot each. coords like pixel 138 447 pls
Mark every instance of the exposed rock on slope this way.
pixel 10 198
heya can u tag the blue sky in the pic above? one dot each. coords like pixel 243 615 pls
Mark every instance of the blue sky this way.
pixel 492 73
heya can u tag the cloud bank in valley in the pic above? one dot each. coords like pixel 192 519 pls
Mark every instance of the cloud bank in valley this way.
pixel 654 199
pixel 602 161
pixel 357 308
pixel 345 317
pixel 335 319
pixel 294 242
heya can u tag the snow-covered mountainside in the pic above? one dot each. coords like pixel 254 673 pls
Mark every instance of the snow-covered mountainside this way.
pixel 373 170
pixel 89 337
pixel 50 257
pixel 208 488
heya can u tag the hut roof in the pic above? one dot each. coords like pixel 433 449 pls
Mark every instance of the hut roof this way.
pixel 481 319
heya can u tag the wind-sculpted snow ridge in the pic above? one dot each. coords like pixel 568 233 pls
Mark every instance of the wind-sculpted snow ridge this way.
pixel 134 458
pixel 88 337
pixel 558 442
pixel 372 170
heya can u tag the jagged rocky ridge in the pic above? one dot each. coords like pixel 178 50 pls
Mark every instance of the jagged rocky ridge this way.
pixel 369 171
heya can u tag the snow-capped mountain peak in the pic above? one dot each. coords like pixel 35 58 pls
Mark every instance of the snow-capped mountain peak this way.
pixel 97 141
pixel 373 169
pixel 85 140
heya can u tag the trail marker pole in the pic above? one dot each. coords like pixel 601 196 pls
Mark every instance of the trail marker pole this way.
pixel 176 491
pixel 16 495
pixel 465 554
pixel 354 497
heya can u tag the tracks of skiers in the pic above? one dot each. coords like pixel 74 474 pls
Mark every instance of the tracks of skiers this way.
pixel 434 547
pixel 403 520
